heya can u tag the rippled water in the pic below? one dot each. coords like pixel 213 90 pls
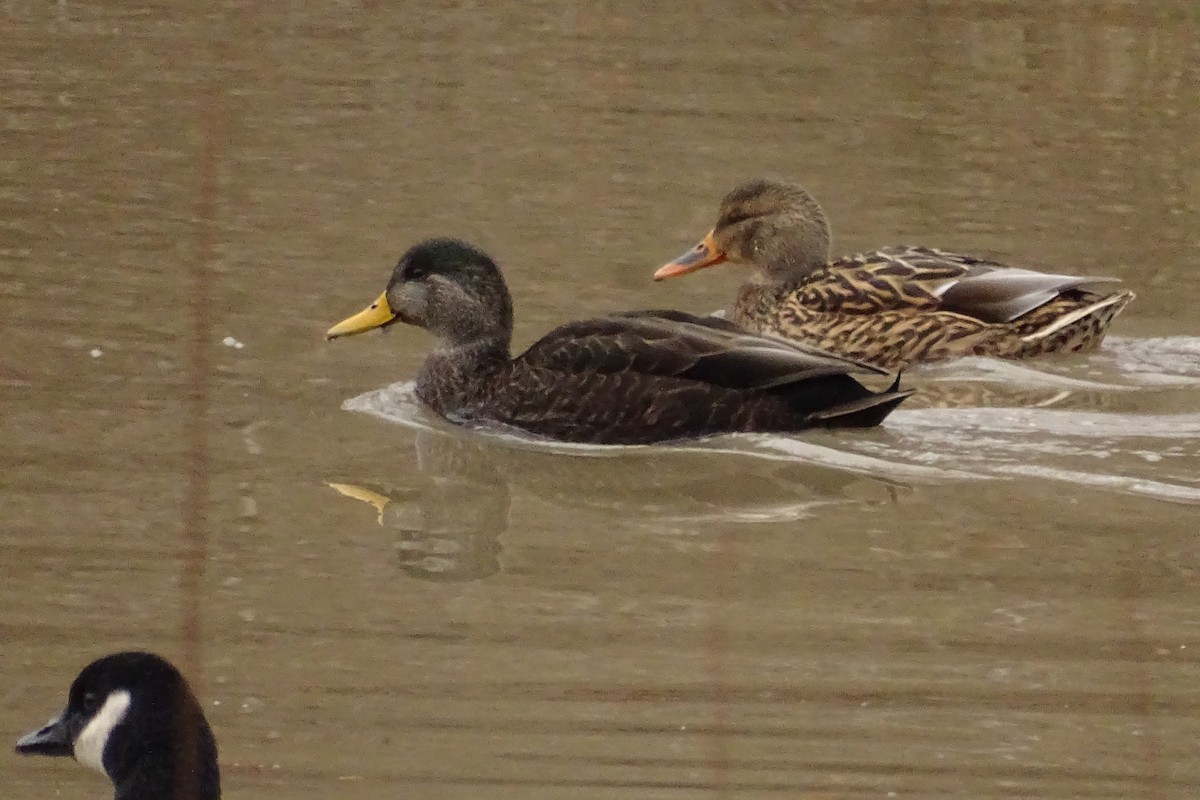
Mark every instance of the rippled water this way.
pixel 1077 424
pixel 992 595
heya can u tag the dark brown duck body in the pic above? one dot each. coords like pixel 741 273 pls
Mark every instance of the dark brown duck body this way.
pixel 631 378
pixel 895 306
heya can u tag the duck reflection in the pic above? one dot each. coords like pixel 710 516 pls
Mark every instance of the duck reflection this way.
pixel 1092 383
pixel 449 525
pixel 940 392
pixel 451 515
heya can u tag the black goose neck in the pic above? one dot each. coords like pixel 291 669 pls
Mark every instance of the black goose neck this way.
pixel 180 765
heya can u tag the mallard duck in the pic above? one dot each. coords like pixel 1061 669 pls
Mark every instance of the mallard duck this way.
pixel 133 717
pixel 891 307
pixel 629 378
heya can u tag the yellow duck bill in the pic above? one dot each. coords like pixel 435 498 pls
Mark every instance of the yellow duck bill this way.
pixel 373 316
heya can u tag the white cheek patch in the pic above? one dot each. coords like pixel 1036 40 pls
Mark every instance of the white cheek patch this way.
pixel 89 745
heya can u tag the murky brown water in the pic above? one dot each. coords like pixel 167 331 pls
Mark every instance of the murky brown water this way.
pixel 970 602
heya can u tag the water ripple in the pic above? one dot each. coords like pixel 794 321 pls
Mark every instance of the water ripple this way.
pixel 1146 452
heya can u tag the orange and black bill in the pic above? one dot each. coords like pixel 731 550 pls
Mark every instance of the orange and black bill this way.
pixel 705 254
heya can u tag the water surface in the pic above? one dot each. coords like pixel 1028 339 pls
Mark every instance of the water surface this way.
pixel 993 595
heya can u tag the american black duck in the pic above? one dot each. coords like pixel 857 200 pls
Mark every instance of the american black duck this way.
pixel 628 378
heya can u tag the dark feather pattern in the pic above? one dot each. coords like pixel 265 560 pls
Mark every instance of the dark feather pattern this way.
pixel 628 378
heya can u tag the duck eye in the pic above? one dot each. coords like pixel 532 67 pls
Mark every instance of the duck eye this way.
pixel 416 268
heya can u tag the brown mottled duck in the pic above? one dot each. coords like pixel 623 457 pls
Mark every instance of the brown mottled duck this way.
pixel 895 306
pixel 628 378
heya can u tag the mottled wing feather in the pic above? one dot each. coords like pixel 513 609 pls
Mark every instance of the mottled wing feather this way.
pixel 894 278
pixel 927 279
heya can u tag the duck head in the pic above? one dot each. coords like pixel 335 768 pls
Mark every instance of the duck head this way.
pixel 449 288
pixel 774 226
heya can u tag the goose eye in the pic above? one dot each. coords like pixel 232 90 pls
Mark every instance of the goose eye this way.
pixel 91 701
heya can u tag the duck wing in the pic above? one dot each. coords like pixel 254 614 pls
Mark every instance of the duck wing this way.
pixel 1002 295
pixel 675 344
pixel 925 278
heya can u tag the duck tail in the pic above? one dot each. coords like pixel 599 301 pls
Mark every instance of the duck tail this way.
pixel 1100 314
pixel 863 412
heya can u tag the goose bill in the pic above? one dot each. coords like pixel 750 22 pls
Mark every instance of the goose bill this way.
pixel 52 739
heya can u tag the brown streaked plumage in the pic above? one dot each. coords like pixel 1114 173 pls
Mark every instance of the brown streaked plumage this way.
pixel 895 306
pixel 630 378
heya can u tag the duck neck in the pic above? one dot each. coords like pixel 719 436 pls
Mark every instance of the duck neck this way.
pixel 760 293
pixel 452 374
